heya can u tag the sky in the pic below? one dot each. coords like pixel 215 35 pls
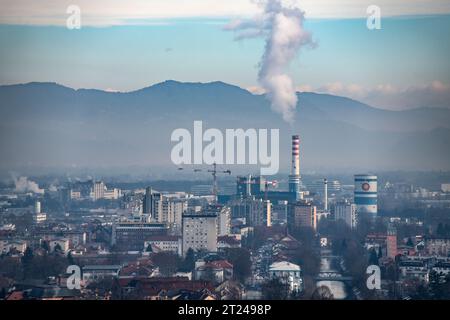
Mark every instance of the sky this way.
pixel 124 46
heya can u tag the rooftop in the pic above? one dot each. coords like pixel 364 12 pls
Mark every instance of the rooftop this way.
pixel 284 266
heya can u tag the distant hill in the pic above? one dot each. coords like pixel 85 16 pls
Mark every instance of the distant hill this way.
pixel 46 124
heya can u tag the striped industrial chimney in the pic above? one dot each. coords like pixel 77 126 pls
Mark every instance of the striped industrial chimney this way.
pixel 294 177
pixel 295 169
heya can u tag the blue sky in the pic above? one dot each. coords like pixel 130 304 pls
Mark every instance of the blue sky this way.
pixel 408 53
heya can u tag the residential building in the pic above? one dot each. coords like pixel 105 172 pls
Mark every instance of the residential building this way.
pixel 302 214
pixel 199 232
pixel 439 246
pixel 164 243
pixel 346 211
pixel 217 270
pixel 131 236
pixel 93 273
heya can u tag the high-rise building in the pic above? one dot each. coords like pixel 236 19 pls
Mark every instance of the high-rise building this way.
pixel 346 211
pixel 98 190
pixel 152 202
pixel 199 232
pixel 164 209
pixel 391 242
pixel 37 207
pixel 302 214
pixel 223 214
pixel 366 195
pixel 279 212
pixel 294 177
pixel 132 235
pixel 250 185
pixel 39 216
pixel 257 212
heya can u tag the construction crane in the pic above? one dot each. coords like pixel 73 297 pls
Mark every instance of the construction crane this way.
pixel 272 183
pixel 214 173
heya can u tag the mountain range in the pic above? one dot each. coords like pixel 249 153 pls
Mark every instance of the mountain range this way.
pixel 50 125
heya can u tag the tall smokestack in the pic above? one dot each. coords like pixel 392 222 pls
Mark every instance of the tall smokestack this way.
pixel 295 168
pixel 325 194
pixel 294 177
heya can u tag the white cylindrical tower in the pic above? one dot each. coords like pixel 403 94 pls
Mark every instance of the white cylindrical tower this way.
pixel 366 194
pixel 325 194
pixel 37 207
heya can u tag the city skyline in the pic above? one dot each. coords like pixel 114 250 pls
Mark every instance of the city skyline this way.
pixel 248 153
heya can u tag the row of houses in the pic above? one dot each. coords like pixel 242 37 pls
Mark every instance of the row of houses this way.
pixel 421 267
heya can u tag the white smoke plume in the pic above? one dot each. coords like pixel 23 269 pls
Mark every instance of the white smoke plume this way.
pixel 24 185
pixel 282 27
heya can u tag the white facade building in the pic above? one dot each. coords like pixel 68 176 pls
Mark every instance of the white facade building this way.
pixel 199 232
pixel 288 273
pixel 346 211
pixel 64 244
pixel 7 246
pixel 164 243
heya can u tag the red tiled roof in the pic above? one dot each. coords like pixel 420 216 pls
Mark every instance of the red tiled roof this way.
pixel 16 295
pixel 152 286
pixel 224 264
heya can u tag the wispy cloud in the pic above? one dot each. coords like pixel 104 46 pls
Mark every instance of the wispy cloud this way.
pixel 120 12
pixel 434 94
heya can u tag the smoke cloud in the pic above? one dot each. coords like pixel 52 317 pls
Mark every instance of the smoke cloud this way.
pixel 24 185
pixel 282 27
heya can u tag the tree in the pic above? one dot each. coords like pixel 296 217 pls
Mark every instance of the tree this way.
pixel 440 231
pixel 57 248
pixel 188 263
pixel 322 293
pixel 45 246
pixel 275 290
pixel 410 243
pixel 380 253
pixel 373 258
pixel 308 259
pixel 70 259
pixel 240 259
pixel 11 268
pixel 209 275
pixel 167 262
pixel 27 262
